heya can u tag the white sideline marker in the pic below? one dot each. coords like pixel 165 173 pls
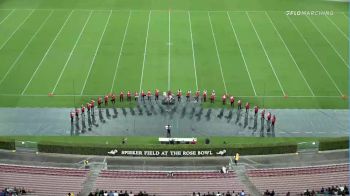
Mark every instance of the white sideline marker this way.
pixel 290 54
pixel 6 16
pixel 25 48
pixel 71 53
pixel 19 26
pixel 217 52
pixel 47 51
pixel 145 51
pixel 193 56
pixel 328 41
pixel 336 26
pixel 267 56
pixel 241 51
pixel 96 51
pixel 318 59
pixel 120 51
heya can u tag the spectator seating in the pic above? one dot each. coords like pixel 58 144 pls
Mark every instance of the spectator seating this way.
pixel 296 180
pixel 165 183
pixel 43 181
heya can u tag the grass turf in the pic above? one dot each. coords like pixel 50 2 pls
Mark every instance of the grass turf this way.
pixel 263 55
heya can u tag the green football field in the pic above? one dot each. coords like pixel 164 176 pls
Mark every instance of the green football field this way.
pixel 272 53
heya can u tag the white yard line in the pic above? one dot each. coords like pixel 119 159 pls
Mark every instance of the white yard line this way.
pixel 6 16
pixel 217 52
pixel 169 53
pixel 25 48
pixel 336 26
pixel 96 51
pixel 241 51
pixel 47 51
pixel 290 54
pixel 242 96
pixel 324 37
pixel 121 50
pixel 19 26
pixel 267 56
pixel 145 51
pixel 317 58
pixel 193 56
pixel 71 52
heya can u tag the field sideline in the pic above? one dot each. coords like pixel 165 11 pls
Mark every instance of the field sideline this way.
pixel 264 56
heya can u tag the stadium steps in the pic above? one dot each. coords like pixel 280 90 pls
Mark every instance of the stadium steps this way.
pixel 243 178
pixel 88 184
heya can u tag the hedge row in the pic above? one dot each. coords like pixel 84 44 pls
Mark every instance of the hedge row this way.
pixel 88 149
pixel 102 150
pixel 7 144
pixel 334 144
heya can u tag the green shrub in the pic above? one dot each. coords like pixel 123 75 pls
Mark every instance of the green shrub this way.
pixel 87 149
pixel 333 144
pixel 7 144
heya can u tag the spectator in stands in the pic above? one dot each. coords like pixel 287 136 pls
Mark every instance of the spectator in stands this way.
pixel 110 193
pixel 346 190
pixel 288 193
pixel 267 192
pixel 307 193
pixel 242 193
pixel 322 190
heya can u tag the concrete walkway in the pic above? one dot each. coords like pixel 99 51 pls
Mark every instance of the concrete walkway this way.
pixel 187 119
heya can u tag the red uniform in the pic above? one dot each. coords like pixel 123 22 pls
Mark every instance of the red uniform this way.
pixel 212 98
pixel 179 94
pixel 239 103
pixel 136 95
pixel 99 101
pixel 205 96
pixel 232 101
pixel 188 94
pixel 106 100
pixel 143 95
pixel 82 109
pixel 197 95
pixel 128 94
pixel 121 96
pixel 113 99
pixel 273 120
pixel 268 116
pixel 157 94
pixel 77 112
pixel 224 99
pixel 247 107
pixel 88 105
pixel 149 95
pixel 256 110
